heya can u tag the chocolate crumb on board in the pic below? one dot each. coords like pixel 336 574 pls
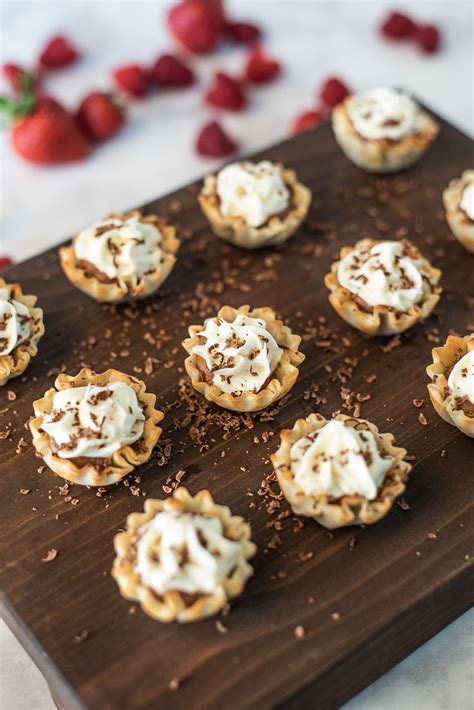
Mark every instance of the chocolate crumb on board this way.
pixel 401 502
pixel 299 632
pixel 174 684
pixel 422 419
pixel 336 616
pixel 25 491
pixel 82 636
pixel 11 396
pixel 418 402
pixel 50 555
pixel 221 628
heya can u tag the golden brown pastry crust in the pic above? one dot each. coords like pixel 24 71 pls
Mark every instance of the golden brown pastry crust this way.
pixel 282 379
pixel 173 606
pixel 349 509
pixel 381 320
pixel 444 358
pixel 124 459
pixel 461 226
pixel 382 155
pixel 18 360
pixel 276 230
pixel 123 288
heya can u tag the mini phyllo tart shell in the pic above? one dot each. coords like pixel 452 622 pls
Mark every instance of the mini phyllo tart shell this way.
pixel 276 230
pixel 381 320
pixel 444 359
pixel 90 280
pixel 382 155
pixel 97 472
pixel 461 226
pixel 348 509
pixel 174 605
pixel 16 362
pixel 281 380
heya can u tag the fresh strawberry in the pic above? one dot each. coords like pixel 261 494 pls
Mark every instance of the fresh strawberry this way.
pixel 225 92
pixel 132 79
pixel 19 80
pixel 58 52
pixel 4 262
pixel 333 92
pixel 428 38
pixel 48 134
pixel 306 120
pixel 243 32
pixel 397 25
pixel 261 68
pixel 168 70
pixel 212 142
pixel 197 24
pixel 99 116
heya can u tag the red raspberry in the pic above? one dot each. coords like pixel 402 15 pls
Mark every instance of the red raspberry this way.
pixel 132 80
pixel 58 52
pixel 225 92
pixel 428 38
pixel 99 116
pixel 197 24
pixel 243 32
pixel 306 120
pixel 170 71
pixel 261 68
pixel 333 92
pixel 397 26
pixel 4 262
pixel 212 142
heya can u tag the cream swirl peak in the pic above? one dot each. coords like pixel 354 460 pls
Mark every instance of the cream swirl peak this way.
pixel 254 191
pixel 383 113
pixel 383 276
pixel 240 356
pixel 339 460
pixel 185 552
pixel 120 248
pixel 94 421
pixel 467 201
pixel 461 378
pixel 15 323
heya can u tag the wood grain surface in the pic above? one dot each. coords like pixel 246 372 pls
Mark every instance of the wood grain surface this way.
pixel 364 597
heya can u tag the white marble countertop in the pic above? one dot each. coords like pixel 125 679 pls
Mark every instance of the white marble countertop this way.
pixel 154 155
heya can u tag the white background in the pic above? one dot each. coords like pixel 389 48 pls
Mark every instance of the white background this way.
pixel 154 154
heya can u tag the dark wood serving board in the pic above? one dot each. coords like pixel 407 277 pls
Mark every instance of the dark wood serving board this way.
pixel 365 597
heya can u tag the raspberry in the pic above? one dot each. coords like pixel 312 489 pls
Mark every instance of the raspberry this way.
pixel 243 32
pixel 197 24
pixel 132 80
pixel 170 71
pixel 99 116
pixel 428 38
pixel 58 52
pixel 212 142
pixel 4 262
pixel 225 92
pixel 333 92
pixel 397 26
pixel 261 68
pixel 306 120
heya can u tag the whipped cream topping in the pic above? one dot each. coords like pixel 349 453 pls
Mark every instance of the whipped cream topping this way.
pixel 467 201
pixel 339 460
pixel 383 113
pixel 94 421
pixel 14 323
pixel 120 248
pixel 461 378
pixel 383 276
pixel 185 552
pixel 254 191
pixel 240 355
